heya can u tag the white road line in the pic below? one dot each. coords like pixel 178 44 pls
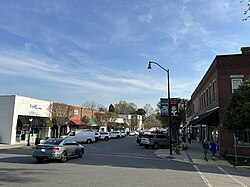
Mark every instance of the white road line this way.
pixel 126 156
pixel 202 176
pixel 233 178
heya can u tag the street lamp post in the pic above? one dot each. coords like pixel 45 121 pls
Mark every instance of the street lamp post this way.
pixel 28 141
pixel 169 107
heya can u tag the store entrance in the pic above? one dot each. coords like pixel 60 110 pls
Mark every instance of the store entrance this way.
pixel 30 128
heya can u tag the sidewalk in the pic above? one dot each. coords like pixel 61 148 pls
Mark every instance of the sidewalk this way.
pixel 17 146
pixel 193 154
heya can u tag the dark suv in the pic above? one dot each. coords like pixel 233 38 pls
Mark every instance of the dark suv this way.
pixel 155 140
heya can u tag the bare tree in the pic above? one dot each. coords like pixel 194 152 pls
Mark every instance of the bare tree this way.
pixel 247 10
pixel 61 113
pixel 149 110
pixel 101 108
pixel 125 108
pixel 91 105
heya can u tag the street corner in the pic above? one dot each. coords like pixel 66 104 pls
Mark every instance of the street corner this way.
pixel 179 157
pixel 162 153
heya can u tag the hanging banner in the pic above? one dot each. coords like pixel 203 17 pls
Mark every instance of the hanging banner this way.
pixel 164 106
pixel 173 106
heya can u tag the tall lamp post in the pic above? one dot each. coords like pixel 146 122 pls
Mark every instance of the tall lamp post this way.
pixel 169 107
pixel 28 141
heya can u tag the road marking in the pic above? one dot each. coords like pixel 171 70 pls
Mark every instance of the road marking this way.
pixel 126 156
pixel 202 176
pixel 233 178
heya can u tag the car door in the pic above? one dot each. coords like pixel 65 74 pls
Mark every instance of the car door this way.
pixel 162 139
pixel 68 147
pixel 75 147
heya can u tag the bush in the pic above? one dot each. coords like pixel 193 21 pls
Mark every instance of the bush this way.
pixel 241 161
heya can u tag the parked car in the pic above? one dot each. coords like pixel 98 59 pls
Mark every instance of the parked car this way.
pixel 123 134
pixel 132 133
pixel 138 138
pixel 97 136
pixel 104 136
pixel 58 149
pixel 115 134
pixel 155 140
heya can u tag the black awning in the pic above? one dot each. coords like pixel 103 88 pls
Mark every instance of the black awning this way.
pixel 36 120
pixel 209 118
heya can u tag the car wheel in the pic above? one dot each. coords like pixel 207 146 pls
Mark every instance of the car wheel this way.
pixel 88 141
pixel 80 153
pixel 118 137
pixel 106 138
pixel 156 146
pixel 39 160
pixel 63 157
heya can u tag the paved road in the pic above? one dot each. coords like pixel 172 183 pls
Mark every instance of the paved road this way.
pixel 118 162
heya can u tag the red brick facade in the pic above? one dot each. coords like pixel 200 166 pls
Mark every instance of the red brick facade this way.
pixel 82 112
pixel 205 98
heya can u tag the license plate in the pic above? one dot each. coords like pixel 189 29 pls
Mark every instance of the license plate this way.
pixel 42 150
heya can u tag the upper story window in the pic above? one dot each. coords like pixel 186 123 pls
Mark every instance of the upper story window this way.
pixel 214 91
pixel 236 81
pixel 210 94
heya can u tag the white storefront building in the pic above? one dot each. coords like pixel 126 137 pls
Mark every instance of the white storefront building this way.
pixel 22 117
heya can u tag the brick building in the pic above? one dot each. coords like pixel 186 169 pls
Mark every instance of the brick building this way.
pixel 209 101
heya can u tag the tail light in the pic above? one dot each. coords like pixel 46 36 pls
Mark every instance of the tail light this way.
pixel 55 148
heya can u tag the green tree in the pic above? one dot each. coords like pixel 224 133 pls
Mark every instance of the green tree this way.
pixel 237 114
pixel 141 112
pixel 111 108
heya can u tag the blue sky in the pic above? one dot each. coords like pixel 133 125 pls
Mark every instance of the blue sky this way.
pixel 73 51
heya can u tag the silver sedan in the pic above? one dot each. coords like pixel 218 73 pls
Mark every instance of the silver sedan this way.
pixel 58 149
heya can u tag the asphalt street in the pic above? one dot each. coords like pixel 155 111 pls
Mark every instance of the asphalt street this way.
pixel 117 162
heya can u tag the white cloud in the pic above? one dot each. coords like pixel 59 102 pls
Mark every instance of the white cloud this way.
pixel 146 18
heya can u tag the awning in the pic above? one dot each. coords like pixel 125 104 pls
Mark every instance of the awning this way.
pixel 209 118
pixel 77 122
pixel 32 120
pixel 93 123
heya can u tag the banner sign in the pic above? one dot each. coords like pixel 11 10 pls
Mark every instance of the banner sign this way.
pixel 173 106
pixel 164 106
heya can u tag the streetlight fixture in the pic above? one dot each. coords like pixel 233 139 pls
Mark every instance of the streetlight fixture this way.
pixel 169 107
pixel 28 141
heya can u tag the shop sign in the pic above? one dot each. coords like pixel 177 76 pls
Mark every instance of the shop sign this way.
pixel 35 107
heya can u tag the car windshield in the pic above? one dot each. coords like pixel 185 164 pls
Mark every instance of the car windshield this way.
pixel 54 141
pixel 148 136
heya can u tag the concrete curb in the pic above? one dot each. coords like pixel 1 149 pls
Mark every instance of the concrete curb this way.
pixel 185 157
